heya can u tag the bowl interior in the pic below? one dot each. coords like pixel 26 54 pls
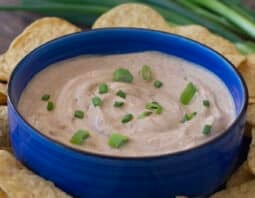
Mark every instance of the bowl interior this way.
pixel 125 40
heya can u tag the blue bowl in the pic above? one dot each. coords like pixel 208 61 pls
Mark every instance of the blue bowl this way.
pixel 194 172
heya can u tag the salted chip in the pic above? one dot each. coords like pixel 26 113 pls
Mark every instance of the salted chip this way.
pixel 248 72
pixel 3 194
pixel 17 181
pixel 242 175
pixel 246 190
pixel 4 130
pixel 36 34
pixel 251 100
pixel 132 15
pixel 236 59
pixel 3 74
pixel 251 114
pixel 251 154
pixel 3 93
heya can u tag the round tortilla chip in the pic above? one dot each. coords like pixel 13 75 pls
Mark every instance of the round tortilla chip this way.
pixel 36 34
pixel 132 15
pixel 203 35
pixel 251 154
pixel 4 130
pixel 246 190
pixel 3 74
pixel 17 181
pixel 248 71
pixel 242 175
pixel 251 114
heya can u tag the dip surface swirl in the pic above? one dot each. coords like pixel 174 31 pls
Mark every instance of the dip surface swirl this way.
pixel 73 83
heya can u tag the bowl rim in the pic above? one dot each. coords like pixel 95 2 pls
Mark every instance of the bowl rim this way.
pixel 119 157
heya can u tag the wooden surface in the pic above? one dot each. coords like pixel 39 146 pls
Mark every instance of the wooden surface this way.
pixel 12 23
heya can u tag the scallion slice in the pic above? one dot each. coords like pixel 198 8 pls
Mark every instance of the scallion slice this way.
pixel 144 114
pixel 146 73
pixel 79 137
pixel 154 107
pixel 122 75
pixel 45 97
pixel 126 118
pixel 118 104
pixel 207 129
pixel 157 84
pixel 103 88
pixel 96 101
pixel 50 106
pixel 79 114
pixel 121 94
pixel 206 103
pixel 188 117
pixel 188 93
pixel 117 140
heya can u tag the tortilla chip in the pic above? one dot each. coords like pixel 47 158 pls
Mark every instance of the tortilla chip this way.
pixel 235 59
pixel 246 190
pixel 3 74
pixel 3 194
pixel 203 35
pixel 4 130
pixel 3 93
pixel 16 181
pixel 251 154
pixel 248 71
pixel 36 34
pixel 251 100
pixel 251 114
pixel 132 15
pixel 242 175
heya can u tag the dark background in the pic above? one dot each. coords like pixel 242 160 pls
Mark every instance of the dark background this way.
pixel 12 23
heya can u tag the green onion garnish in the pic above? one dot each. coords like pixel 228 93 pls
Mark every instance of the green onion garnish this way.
pixel 121 94
pixel 158 84
pixel 207 129
pixel 144 114
pixel 122 75
pixel 79 137
pixel 103 88
pixel 188 117
pixel 206 103
pixel 118 104
pixel 126 118
pixel 79 114
pixel 188 93
pixel 45 97
pixel 146 73
pixel 155 107
pixel 96 101
pixel 117 140
pixel 50 106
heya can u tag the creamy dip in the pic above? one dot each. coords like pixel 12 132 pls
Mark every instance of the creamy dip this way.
pixel 73 83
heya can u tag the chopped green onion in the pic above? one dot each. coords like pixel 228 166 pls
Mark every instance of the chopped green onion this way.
pixel 188 93
pixel 118 104
pixel 146 73
pixel 79 114
pixel 122 75
pixel 126 118
pixel 206 103
pixel 207 129
pixel 188 117
pixel 121 94
pixel 45 97
pixel 103 88
pixel 79 137
pixel 144 114
pixel 96 101
pixel 117 140
pixel 158 84
pixel 50 106
pixel 155 107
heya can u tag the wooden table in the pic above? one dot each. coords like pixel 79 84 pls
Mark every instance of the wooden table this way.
pixel 12 23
